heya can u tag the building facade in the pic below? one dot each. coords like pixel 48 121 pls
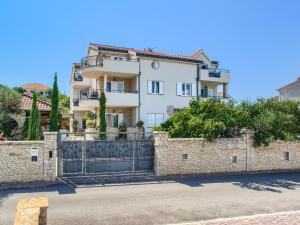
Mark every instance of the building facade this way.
pixel 142 84
pixel 290 91
pixel 37 88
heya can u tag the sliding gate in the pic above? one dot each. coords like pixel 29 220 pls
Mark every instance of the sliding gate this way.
pixel 80 154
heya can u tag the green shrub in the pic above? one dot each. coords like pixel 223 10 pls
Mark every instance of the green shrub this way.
pixel 140 124
pixel 122 128
pixel 270 119
pixel 102 102
pixel 34 127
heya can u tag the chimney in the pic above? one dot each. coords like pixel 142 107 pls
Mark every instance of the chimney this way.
pixel 298 78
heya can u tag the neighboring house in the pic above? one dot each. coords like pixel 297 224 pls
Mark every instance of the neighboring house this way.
pixel 37 88
pixel 290 91
pixel 44 108
pixel 142 84
pixel 20 119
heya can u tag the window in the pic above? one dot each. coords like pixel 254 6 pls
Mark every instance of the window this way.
pixel 114 119
pixel 155 87
pixel 155 119
pixel 186 89
pixel 115 86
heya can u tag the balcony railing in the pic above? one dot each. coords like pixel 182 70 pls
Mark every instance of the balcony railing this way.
pixel 78 77
pixel 95 93
pixel 214 73
pixel 215 97
pixel 76 101
pixel 97 60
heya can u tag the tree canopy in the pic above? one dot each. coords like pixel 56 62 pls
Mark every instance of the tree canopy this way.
pixel 270 119
pixel 10 103
pixel 54 114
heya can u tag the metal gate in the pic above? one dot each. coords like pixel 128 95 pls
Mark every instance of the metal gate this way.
pixel 80 154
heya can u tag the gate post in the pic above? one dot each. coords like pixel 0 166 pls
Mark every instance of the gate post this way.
pixel 50 155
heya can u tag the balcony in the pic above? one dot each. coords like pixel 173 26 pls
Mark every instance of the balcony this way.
pixel 80 82
pixel 89 99
pixel 96 66
pixel 215 75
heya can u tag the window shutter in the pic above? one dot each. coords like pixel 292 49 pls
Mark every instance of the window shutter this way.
pixel 149 87
pixel 194 90
pixel 179 88
pixel 159 119
pixel 150 120
pixel 161 87
pixel 120 118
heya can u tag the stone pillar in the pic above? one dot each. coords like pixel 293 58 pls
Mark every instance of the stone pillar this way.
pixel 50 156
pixel 160 142
pixel 32 211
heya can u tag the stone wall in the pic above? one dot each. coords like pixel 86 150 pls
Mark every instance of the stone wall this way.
pixel 226 155
pixel 18 165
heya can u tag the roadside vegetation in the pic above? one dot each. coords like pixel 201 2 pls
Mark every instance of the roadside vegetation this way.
pixel 271 120
pixel 10 103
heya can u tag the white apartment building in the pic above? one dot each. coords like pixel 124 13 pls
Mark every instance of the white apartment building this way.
pixel 142 84
pixel 290 91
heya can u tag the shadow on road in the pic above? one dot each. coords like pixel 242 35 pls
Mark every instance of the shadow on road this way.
pixel 59 188
pixel 272 182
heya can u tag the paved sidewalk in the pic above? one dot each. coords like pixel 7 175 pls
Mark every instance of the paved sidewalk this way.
pixel 286 218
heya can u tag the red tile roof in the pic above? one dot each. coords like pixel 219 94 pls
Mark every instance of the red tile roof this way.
pixel 35 87
pixel 149 52
pixel 27 102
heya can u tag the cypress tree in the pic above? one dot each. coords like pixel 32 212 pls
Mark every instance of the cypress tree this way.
pixel 34 127
pixel 54 115
pixel 102 101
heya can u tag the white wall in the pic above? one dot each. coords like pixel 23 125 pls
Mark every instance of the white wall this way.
pixel 170 73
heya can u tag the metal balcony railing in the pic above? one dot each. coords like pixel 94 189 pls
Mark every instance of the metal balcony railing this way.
pixel 76 101
pixel 97 60
pixel 215 97
pixel 78 77
pixel 95 93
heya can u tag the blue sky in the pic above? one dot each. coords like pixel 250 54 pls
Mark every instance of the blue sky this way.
pixel 257 40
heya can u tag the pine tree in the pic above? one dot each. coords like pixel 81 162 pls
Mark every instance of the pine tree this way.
pixel 34 127
pixel 102 101
pixel 54 115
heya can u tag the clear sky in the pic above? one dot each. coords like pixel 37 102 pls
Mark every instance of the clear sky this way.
pixel 257 40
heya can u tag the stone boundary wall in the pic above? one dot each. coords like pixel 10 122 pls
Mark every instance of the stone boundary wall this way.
pixel 29 161
pixel 178 156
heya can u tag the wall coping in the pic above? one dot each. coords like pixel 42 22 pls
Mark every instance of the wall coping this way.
pixel 50 132
pixel 21 142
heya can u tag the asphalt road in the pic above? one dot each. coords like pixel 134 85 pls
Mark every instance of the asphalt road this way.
pixel 162 201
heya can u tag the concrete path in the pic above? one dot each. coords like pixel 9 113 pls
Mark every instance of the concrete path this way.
pixel 162 201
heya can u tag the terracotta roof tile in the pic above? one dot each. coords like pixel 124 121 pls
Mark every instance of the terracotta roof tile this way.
pixel 150 53
pixel 35 86
pixel 27 102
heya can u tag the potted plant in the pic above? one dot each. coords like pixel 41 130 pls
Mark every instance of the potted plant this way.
pixel 90 123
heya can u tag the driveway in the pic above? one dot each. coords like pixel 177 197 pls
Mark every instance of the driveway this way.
pixel 162 201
